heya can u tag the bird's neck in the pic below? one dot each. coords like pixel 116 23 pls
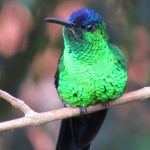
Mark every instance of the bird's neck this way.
pixel 87 53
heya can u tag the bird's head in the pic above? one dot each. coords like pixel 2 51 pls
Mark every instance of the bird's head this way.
pixel 83 26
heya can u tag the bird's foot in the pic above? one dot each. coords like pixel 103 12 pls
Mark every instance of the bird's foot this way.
pixel 83 110
pixel 105 105
pixel 66 105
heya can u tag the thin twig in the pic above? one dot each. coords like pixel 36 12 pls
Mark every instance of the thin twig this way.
pixel 32 118
pixel 15 102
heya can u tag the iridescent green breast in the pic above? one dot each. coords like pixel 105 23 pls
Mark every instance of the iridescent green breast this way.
pixel 82 83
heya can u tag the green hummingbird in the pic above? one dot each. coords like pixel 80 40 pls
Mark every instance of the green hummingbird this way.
pixel 90 70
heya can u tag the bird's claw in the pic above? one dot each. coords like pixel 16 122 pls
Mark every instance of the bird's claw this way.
pixel 83 110
pixel 105 105
pixel 66 105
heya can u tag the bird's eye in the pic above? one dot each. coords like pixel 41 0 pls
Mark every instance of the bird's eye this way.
pixel 90 28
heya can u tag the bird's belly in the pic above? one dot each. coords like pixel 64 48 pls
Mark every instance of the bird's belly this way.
pixel 85 90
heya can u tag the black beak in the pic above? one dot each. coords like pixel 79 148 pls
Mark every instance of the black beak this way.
pixel 61 22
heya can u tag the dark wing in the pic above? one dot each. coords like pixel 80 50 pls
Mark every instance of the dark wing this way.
pixel 56 76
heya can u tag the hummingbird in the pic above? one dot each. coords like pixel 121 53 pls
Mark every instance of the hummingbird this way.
pixel 90 70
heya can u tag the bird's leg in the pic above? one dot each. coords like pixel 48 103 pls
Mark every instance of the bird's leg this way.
pixel 105 105
pixel 83 110
pixel 66 105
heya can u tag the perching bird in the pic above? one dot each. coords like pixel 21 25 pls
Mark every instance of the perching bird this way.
pixel 90 70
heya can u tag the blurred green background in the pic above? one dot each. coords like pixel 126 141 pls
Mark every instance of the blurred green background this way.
pixel 29 51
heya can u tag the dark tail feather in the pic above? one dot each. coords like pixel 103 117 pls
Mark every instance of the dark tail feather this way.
pixel 77 133
pixel 65 139
pixel 65 136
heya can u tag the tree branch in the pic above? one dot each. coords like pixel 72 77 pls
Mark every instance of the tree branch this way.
pixel 15 102
pixel 33 118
